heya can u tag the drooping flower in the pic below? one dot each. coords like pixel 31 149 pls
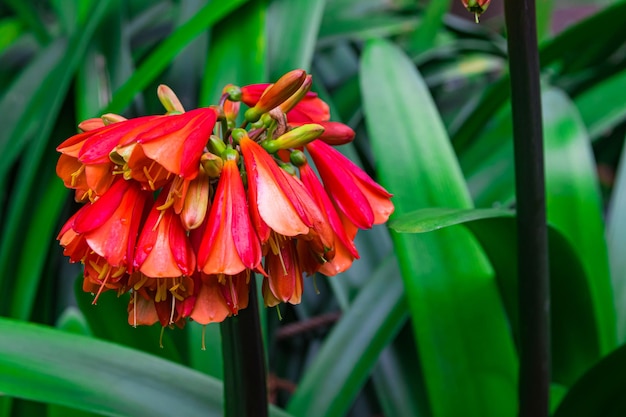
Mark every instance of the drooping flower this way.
pixel 163 249
pixel 359 198
pixel 220 296
pixel 229 244
pixel 280 202
pixel 167 145
pixel 110 224
pixel 345 251
pixel 284 280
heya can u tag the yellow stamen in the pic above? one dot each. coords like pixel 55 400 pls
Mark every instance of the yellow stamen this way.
pixel 139 284
pixel 203 337
pixel 75 175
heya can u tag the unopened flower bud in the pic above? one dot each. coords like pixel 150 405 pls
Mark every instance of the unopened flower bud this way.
pixel 277 93
pixel 230 154
pixel 233 91
pixel 212 164
pixel 231 109
pixel 216 145
pixel 196 201
pixel 295 138
pixel 291 102
pixel 91 124
pixel 477 7
pixel 298 158
pixel 169 100
pixel 291 170
pixel 111 118
pixel 336 133
pixel 238 134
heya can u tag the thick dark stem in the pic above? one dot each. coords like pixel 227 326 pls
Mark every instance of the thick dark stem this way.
pixel 245 374
pixel 534 293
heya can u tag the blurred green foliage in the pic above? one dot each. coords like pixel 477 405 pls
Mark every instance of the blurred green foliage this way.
pixel 426 323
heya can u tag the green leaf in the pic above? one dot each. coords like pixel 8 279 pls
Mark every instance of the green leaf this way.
pixel 28 15
pixel 108 319
pixel 10 30
pixel 292 31
pixel 602 106
pixel 73 321
pixel 455 307
pixel 230 43
pixel 42 364
pixel 38 164
pixel 574 204
pixel 46 365
pixel 337 28
pixel 616 242
pixel 571 49
pixel 163 54
pixel 351 350
pixel 599 393
pixel 574 337
pixel 429 219
pixel 573 208
pixel 423 38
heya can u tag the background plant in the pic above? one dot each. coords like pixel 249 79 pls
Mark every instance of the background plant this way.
pixel 421 319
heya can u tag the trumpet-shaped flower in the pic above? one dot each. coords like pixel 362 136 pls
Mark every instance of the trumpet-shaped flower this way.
pixel 280 202
pixel 229 244
pixel 163 248
pixel 110 224
pixel 220 296
pixel 345 251
pixel 357 196
pixel 284 280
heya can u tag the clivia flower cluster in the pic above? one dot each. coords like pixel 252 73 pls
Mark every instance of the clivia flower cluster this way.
pixel 179 209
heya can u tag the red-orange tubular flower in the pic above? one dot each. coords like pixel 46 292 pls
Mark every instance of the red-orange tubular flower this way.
pixel 163 248
pixel 284 281
pixel 280 202
pixel 220 296
pixel 345 251
pixel 229 244
pixel 110 224
pixel 358 196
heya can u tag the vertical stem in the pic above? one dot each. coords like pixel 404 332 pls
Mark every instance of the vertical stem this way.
pixel 245 376
pixel 533 286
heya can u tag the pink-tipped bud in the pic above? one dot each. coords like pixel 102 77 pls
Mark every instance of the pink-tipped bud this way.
pixel 276 94
pixel 295 138
pixel 477 7
pixel 169 100
pixel 291 102
pixel 196 202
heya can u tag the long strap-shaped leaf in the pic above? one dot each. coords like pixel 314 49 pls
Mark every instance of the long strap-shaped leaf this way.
pixel 47 365
pixel 461 329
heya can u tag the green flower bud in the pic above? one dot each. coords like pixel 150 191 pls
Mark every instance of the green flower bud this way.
pixel 295 138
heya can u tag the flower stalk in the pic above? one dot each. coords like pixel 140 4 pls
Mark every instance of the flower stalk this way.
pixel 245 375
pixel 533 275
